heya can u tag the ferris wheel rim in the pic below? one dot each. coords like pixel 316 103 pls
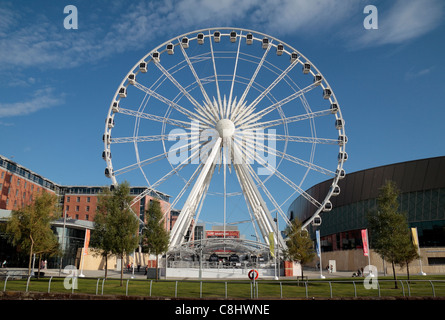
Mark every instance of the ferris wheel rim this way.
pixel 324 84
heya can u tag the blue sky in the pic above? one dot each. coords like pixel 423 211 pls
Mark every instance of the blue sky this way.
pixel 56 84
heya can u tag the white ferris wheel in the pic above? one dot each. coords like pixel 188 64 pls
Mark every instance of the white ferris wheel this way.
pixel 234 124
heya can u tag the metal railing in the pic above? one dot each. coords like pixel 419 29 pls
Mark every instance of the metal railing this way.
pixel 265 289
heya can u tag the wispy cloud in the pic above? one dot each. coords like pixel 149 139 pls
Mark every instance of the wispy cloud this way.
pixel 41 99
pixel 413 74
pixel 108 28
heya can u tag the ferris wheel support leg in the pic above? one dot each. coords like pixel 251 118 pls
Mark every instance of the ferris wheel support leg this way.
pixel 255 201
pixel 257 204
pixel 188 210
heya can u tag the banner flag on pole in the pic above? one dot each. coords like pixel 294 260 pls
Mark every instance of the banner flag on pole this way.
pixel 415 237
pixel 317 244
pixel 87 241
pixel 365 242
pixel 272 244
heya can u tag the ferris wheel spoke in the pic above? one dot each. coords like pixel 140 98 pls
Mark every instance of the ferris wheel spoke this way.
pixel 178 85
pixel 282 137
pixel 191 115
pixel 248 152
pixel 218 93
pixel 294 159
pixel 192 69
pixel 252 79
pixel 148 116
pixel 158 157
pixel 229 107
pixel 285 120
pixel 267 192
pixel 260 114
pixel 159 137
pixel 273 84
pixel 195 151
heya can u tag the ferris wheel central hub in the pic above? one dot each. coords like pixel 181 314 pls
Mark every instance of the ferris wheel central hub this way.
pixel 225 128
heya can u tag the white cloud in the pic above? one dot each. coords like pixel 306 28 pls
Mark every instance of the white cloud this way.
pixel 108 28
pixel 41 99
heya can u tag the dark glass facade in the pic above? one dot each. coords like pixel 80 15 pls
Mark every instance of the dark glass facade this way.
pixel 422 199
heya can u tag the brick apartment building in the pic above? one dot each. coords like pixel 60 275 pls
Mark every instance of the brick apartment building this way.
pixel 19 186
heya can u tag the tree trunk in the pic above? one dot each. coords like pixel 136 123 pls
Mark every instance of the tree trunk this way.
pixel 40 263
pixel 395 276
pixel 407 269
pixel 106 266
pixel 122 269
pixel 30 258
pixel 157 260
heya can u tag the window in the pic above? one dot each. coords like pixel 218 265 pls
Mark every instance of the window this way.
pixel 88 199
pixel 67 208
pixel 18 182
pixel 77 209
pixel 67 199
pixel 436 260
pixel 87 217
pixel 77 217
pixel 88 209
pixel 78 199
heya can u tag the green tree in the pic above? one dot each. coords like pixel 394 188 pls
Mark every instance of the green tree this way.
pixel 117 226
pixel 300 247
pixel 155 236
pixel 389 232
pixel 101 237
pixel 30 226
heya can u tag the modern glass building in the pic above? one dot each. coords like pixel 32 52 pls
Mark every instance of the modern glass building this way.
pixel 422 199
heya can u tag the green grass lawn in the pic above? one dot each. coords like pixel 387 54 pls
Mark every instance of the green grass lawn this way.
pixel 291 289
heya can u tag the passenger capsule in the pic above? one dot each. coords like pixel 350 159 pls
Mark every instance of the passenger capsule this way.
pixel 342 140
pixel 110 123
pixel 339 124
pixel 317 79
pixel 185 42
pixel 336 190
pixel 265 43
pixel 132 78
pixel 342 156
pixel 340 173
pixel 143 67
pixel 327 207
pixel 334 108
pixel 106 138
pixel 200 38
pixel 327 93
pixel 249 38
pixel 217 36
pixel 280 49
pixel 170 48
pixel 123 92
pixel 109 173
pixel 306 67
pixel 317 221
pixel 156 57
pixel 293 57
pixel 232 36
pixel 115 107
pixel 106 154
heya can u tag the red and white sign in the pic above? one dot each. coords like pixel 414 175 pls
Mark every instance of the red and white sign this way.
pixel 220 234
